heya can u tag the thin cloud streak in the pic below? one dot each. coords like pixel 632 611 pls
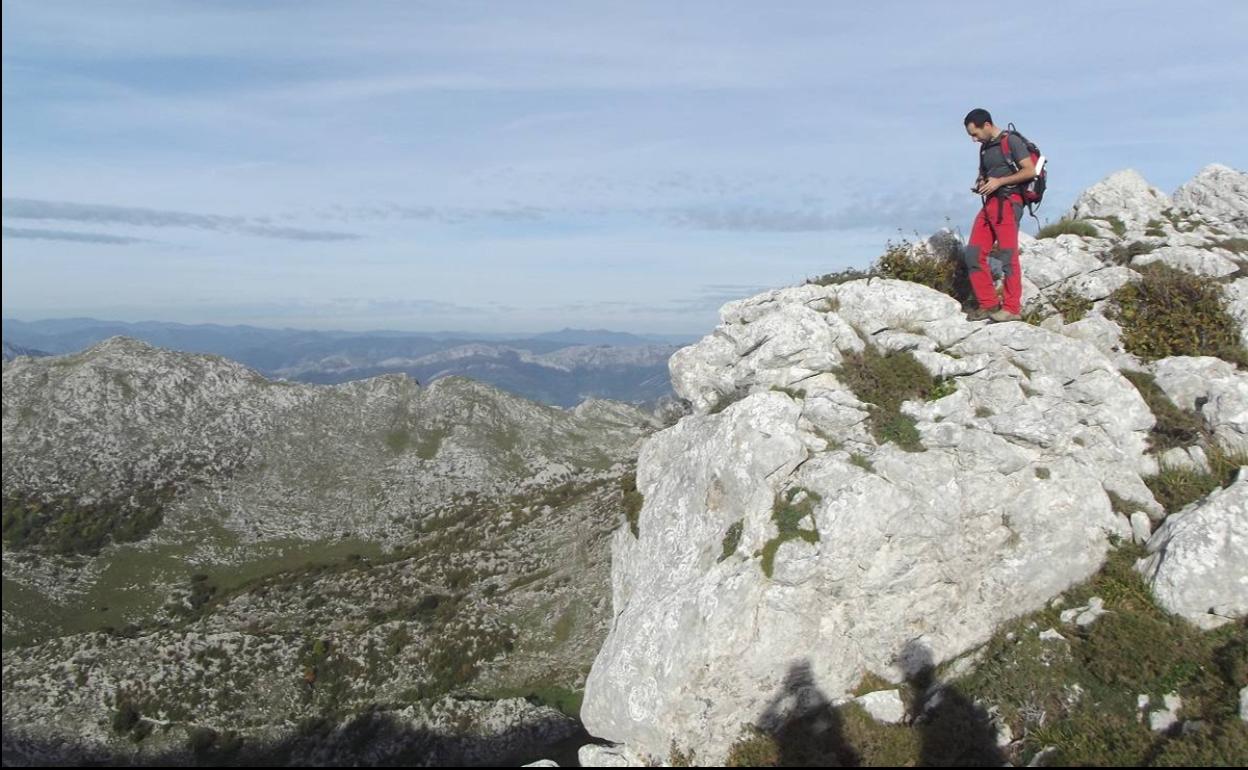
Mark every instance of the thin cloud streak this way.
pixel 27 208
pixel 71 235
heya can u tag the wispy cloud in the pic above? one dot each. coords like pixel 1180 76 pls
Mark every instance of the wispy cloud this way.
pixel 892 211
pixel 26 208
pixel 442 214
pixel 70 235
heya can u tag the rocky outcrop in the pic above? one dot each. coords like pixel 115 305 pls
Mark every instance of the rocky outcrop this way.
pixel 1198 562
pixel 1218 193
pixel 1126 196
pixel 1007 506
pixel 783 532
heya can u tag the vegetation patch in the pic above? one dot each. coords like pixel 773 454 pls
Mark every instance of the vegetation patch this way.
pixel 792 507
pixel 1063 226
pixel 1079 695
pixel 1123 254
pixel 1173 313
pixel 633 501
pixel 797 394
pixel 1176 487
pixel 841 276
pixel 907 261
pixel 1155 229
pixel 885 382
pixel 862 462
pixel 68 526
pixel 754 748
pixel 398 441
pixel 1233 245
pixel 1117 225
pixel 1175 427
pixel 732 539
pixel 1072 306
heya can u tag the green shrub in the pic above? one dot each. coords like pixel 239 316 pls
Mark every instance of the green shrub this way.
pixel 754 748
pixel 843 276
pixel 1080 227
pixel 126 716
pixel 1117 225
pixel 1155 229
pixel 1071 305
pixel 1173 313
pixel 905 261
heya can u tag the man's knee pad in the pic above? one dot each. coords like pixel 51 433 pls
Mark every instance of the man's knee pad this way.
pixel 971 254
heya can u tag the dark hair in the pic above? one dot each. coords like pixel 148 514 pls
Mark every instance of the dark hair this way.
pixel 978 116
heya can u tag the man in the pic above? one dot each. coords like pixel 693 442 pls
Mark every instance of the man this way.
pixel 1000 182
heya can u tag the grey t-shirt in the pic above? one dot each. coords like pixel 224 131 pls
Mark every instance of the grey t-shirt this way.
pixel 992 158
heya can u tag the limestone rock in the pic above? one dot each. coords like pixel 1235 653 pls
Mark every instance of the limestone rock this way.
pixel 1049 261
pixel 884 706
pixel 1198 559
pixel 1218 192
pixel 902 562
pixel 1189 259
pixel 1125 195
pixel 1162 719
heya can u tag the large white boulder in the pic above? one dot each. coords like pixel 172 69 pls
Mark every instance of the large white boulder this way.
pixel 1007 507
pixel 1198 559
pixel 1218 193
pixel 1125 195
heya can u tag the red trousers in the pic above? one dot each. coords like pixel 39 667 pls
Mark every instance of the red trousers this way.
pixel 996 223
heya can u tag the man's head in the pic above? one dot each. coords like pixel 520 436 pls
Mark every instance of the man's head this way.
pixel 979 125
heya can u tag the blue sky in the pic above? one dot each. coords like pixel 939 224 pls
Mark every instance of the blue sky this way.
pixel 531 166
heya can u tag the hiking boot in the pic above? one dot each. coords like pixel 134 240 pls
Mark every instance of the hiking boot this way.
pixel 1000 315
pixel 982 314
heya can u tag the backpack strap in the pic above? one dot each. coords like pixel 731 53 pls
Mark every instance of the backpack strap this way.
pixel 1005 149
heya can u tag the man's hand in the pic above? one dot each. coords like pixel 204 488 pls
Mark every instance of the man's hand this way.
pixel 989 186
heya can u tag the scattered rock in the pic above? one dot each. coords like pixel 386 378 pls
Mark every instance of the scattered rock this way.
pixel 884 706
pixel 1163 719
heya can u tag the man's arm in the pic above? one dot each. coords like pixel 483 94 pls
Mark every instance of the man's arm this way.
pixel 1026 172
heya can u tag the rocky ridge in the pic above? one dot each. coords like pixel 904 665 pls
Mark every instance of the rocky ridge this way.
pixel 781 533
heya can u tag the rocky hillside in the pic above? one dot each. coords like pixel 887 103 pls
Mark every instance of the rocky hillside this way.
pixel 198 559
pixel 872 485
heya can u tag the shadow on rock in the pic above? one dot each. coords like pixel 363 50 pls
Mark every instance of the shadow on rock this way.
pixel 954 731
pixel 806 729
